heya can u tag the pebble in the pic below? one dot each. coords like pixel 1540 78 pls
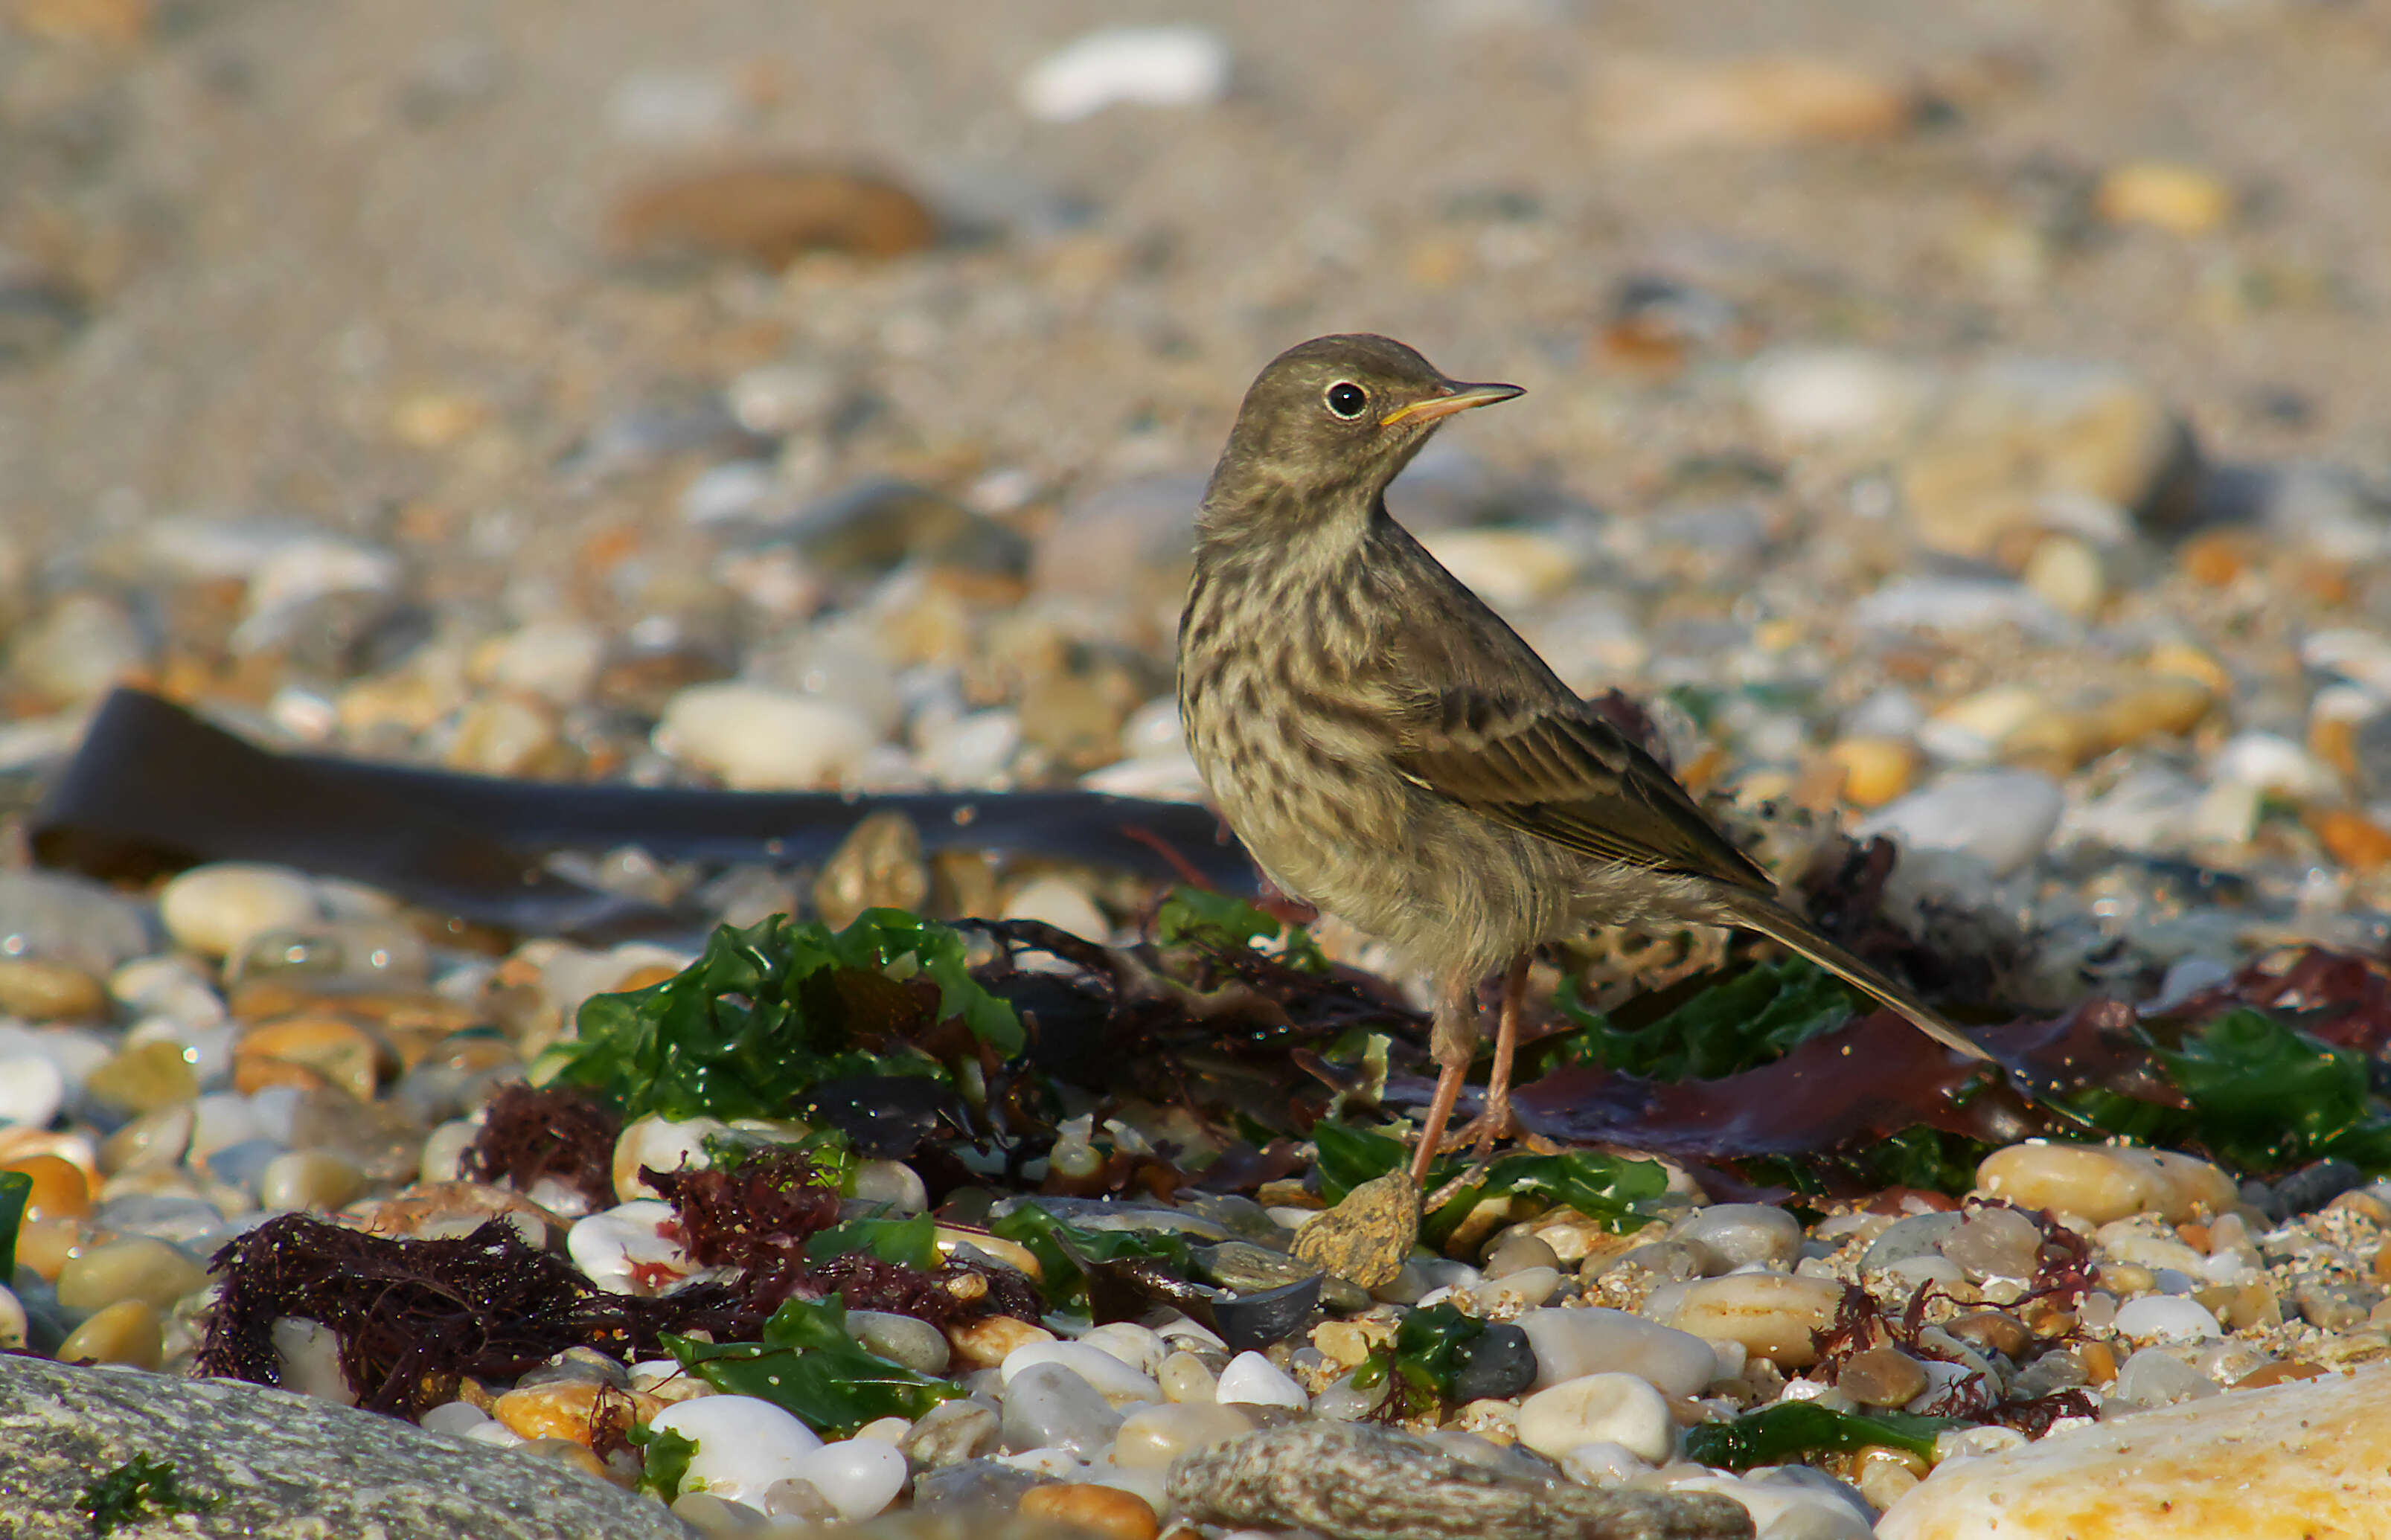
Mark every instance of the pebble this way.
pixel 128 1332
pixel 2102 1183
pixel 1096 1509
pixel 760 738
pixel 40 990
pixel 1137 1346
pixel 1253 1380
pixel 858 1477
pixel 78 650
pixel 1996 1243
pixel 2181 200
pixel 1573 1344
pixel 1152 1437
pixel 214 910
pixel 951 1434
pixel 1728 1235
pixel 629 1250
pixel 1048 1407
pixel 1623 1409
pixel 2155 1376
pixel 1881 1376
pixel 149 1077
pixel 1169 65
pixel 136 1268
pixel 1368 1236
pixel 902 1339
pixel 743 1445
pixel 1774 1315
pixel 32 1088
pixel 1654 105
pixel 1115 1380
pixel 2315 1454
pixel 1061 902
pixel 316 1179
pixel 2004 817
pixel 1496 1365
pixel 2166 1318
pixel 1187 1379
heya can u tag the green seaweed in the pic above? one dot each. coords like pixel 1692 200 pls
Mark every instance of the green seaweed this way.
pixel 912 1242
pixel 1751 1019
pixel 138 1490
pixel 1794 1429
pixel 663 1460
pixel 1053 1241
pixel 773 1008
pixel 16 1191
pixel 809 1367
pixel 1418 1363
pixel 2262 1094
pixel 1219 922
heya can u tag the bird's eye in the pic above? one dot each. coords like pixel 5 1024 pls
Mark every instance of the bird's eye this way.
pixel 1347 399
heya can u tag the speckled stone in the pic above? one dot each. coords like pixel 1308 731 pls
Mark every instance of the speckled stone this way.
pixel 282 1464
pixel 1353 1483
pixel 1366 1238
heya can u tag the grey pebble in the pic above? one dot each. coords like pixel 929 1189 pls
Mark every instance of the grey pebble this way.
pixel 1048 1407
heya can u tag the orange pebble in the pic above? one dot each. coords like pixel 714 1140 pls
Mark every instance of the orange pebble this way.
pixel 2352 839
pixel 60 1189
pixel 1104 1509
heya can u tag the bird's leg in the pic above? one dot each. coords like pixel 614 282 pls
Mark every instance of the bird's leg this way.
pixel 1451 1042
pixel 1495 1122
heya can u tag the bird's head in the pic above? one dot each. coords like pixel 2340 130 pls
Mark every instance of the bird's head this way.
pixel 1329 424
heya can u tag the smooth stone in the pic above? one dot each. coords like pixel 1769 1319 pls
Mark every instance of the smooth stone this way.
pixel 1917 1236
pixel 153 1139
pixel 951 1434
pixel 1496 1365
pixel 2308 1457
pixel 972 1489
pixel 40 990
pixel 2003 818
pixel 1881 1376
pixel 1137 1346
pixel 1186 1379
pixel 1087 1507
pixel 2102 1183
pixel 857 1476
pixel 1736 1235
pixel 1785 1510
pixel 2332 1305
pixel 2166 1318
pixel 1602 1464
pixel 1996 1243
pixel 1061 902
pixel 1153 66
pixel 137 1268
pixel 1775 1315
pixel 214 910
pixel 901 1339
pixel 2154 1377
pixel 1609 1408
pixel 1253 1380
pixel 1524 1290
pixel 1155 1436
pixel 307 1359
pixel 1571 1344
pixel 309 1179
pixel 72 919
pixel 78 650
pixel 756 737
pixel 1113 1379
pixel 1047 1406
pixel 1518 1253
pixel 126 1332
pixel 744 1444
pixel 33 1089
pixel 144 1078
pixel 1826 394
pixel 629 1248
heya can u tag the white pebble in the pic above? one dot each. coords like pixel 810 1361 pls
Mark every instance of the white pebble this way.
pixel 1061 904
pixel 743 1445
pixel 2166 1318
pixel 629 1250
pixel 857 1476
pixel 214 910
pixel 2002 816
pixel 1571 1344
pixel 1113 1379
pixel 1141 66
pixel 1599 1408
pixel 32 1090
pixel 1254 1381
pixel 758 739
pixel 1602 1464
pixel 455 1417
pixel 1132 1344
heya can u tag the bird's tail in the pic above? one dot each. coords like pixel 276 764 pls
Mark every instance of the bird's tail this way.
pixel 1787 930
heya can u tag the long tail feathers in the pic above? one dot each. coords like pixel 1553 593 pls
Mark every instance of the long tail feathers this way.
pixel 1787 930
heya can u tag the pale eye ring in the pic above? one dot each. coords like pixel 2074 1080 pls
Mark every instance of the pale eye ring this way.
pixel 1347 400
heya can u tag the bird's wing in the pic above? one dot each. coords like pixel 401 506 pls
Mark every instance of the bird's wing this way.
pixel 1568 776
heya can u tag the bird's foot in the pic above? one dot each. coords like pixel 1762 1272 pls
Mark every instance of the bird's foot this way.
pixel 1480 1132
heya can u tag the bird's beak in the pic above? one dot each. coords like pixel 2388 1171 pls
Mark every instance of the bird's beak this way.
pixel 1450 398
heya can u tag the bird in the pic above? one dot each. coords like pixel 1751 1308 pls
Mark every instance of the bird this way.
pixel 1388 750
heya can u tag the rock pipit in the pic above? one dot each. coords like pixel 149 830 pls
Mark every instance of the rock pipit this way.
pixel 1389 749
